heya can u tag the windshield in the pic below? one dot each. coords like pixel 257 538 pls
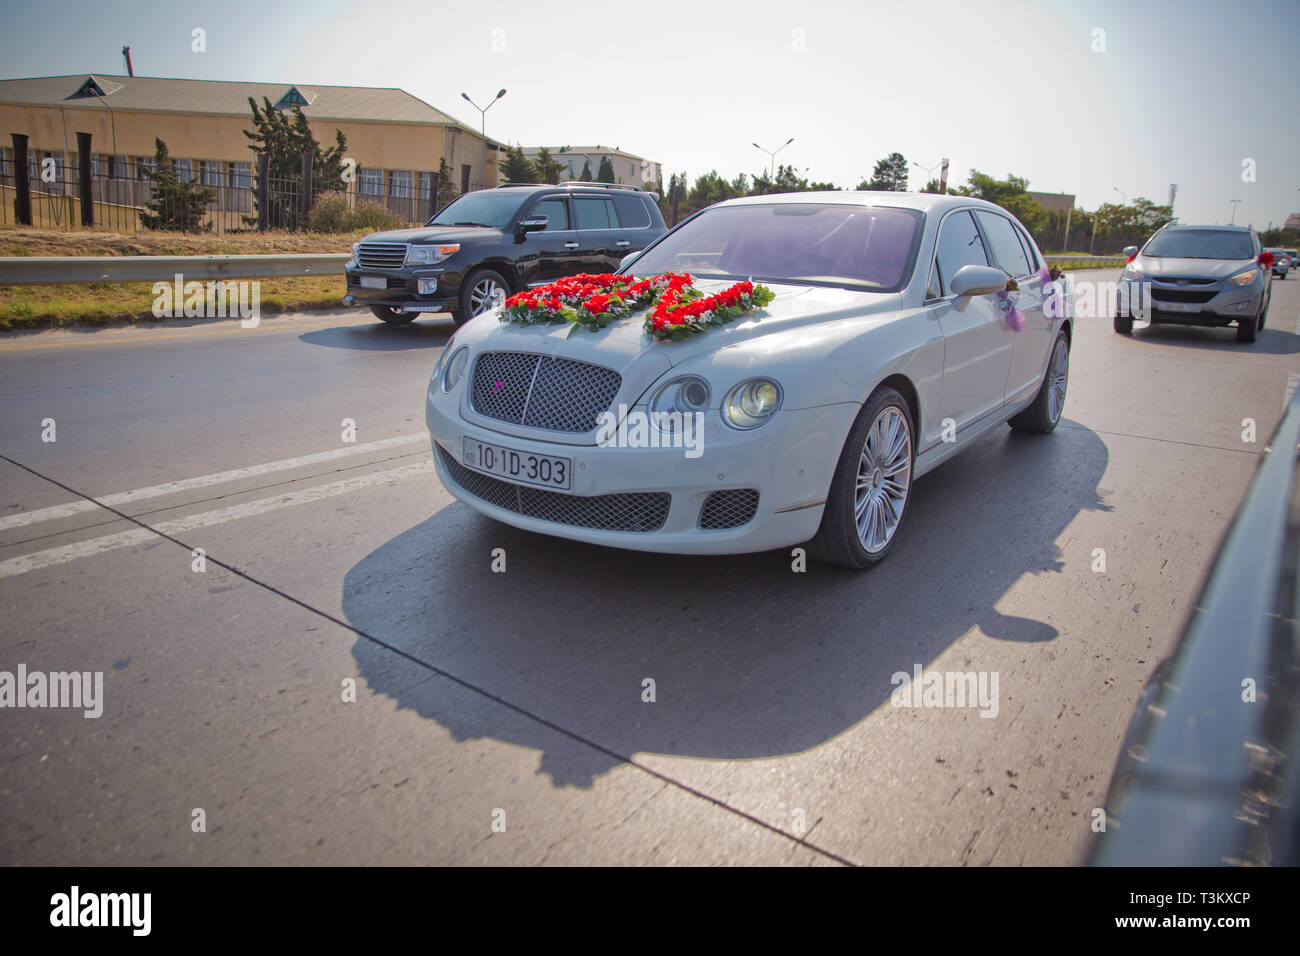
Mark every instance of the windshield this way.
pixel 1200 244
pixel 486 207
pixel 867 247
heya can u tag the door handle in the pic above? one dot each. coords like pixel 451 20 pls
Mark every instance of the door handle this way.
pixel 570 245
pixel 622 244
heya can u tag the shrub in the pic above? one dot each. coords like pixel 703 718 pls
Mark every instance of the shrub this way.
pixel 331 214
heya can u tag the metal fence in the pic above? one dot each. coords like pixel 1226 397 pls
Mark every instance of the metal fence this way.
pixel 217 197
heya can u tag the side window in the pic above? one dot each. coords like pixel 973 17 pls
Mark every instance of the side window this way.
pixel 632 213
pixel 595 214
pixel 959 245
pixel 556 211
pixel 1034 262
pixel 1006 245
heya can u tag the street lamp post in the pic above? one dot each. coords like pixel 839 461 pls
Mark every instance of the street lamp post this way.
pixel 1234 211
pixel 1122 195
pixel 482 115
pixel 771 153
pixel 942 166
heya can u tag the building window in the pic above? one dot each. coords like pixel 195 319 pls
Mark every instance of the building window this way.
pixel 370 182
pixel 631 170
pixel 210 173
pixel 241 175
pixel 401 183
pixel 146 166
pixel 426 185
pixel 464 177
pixel 185 170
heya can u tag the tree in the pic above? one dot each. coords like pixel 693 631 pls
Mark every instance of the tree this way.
pixel 606 172
pixel 446 188
pixel 1010 194
pixel 175 205
pixel 890 175
pixel 932 187
pixel 548 169
pixel 282 138
pixel 516 168
pixel 586 171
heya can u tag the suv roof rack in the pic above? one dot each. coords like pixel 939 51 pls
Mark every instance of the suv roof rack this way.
pixel 583 182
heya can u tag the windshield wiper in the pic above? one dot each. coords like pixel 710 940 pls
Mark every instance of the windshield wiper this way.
pixel 483 224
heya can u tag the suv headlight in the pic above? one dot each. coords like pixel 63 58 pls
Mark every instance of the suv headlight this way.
pixel 430 255
pixel 751 403
pixel 1243 278
pixel 455 369
pixel 356 254
pixel 1132 272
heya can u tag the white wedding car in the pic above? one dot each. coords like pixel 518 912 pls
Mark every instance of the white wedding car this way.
pixel 895 339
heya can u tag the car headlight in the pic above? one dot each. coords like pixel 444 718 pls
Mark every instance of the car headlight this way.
pixel 455 369
pixel 1133 272
pixel 686 396
pixel 1243 278
pixel 751 403
pixel 356 254
pixel 430 255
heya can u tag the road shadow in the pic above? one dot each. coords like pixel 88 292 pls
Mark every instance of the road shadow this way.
pixel 429 332
pixel 1268 341
pixel 749 658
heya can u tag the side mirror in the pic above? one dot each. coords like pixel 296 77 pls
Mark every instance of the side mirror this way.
pixel 531 224
pixel 1130 251
pixel 978 280
pixel 627 260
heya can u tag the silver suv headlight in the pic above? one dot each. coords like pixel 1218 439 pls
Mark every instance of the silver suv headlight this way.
pixel 430 255
pixel 752 403
pixel 1243 278
pixel 356 254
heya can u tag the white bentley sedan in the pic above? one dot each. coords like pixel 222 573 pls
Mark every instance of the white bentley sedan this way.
pixel 774 371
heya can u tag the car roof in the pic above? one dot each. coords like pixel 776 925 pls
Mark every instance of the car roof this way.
pixel 1215 228
pixel 924 202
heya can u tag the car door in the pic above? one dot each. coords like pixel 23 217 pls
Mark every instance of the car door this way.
pixel 553 252
pixel 1015 255
pixel 636 227
pixel 977 339
pixel 601 233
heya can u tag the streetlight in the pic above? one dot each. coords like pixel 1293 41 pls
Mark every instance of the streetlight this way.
pixel 1234 211
pixel 942 166
pixel 771 166
pixel 929 170
pixel 1122 195
pixel 482 111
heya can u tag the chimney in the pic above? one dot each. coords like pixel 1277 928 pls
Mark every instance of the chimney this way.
pixel 126 52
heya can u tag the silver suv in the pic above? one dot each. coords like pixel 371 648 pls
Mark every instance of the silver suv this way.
pixel 1196 275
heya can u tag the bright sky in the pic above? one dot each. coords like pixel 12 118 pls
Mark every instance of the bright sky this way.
pixel 1177 92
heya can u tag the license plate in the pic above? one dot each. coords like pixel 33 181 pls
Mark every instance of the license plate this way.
pixel 1181 306
pixel 543 471
pixel 374 282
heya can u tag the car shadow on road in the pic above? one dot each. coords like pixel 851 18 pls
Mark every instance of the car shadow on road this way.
pixel 424 333
pixel 1267 341
pixel 749 658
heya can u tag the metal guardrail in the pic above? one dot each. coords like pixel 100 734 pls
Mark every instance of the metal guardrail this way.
pixel 1076 259
pixel 53 270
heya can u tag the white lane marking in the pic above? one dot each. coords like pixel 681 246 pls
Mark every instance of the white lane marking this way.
pixel 1297 325
pixel 177 526
pixel 1292 381
pixel 203 481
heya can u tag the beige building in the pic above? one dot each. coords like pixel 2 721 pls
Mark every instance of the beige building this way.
pixel 629 168
pixel 1053 202
pixel 395 139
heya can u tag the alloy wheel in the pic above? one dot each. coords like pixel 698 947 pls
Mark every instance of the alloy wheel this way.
pixel 884 479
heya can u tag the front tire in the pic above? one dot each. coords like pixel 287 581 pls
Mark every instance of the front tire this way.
pixel 1123 324
pixel 392 316
pixel 871 487
pixel 1248 328
pixel 481 292
pixel 1044 413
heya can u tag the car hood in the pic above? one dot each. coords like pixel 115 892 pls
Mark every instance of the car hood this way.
pixel 624 346
pixel 430 234
pixel 1206 268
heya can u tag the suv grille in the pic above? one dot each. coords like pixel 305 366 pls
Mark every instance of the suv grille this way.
pixel 538 391
pixel 728 509
pixel 381 255
pixel 1181 295
pixel 639 511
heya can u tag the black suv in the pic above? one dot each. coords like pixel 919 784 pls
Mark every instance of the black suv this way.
pixel 486 245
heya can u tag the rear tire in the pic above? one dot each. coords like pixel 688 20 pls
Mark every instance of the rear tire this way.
pixel 1123 324
pixel 392 316
pixel 1044 413
pixel 871 487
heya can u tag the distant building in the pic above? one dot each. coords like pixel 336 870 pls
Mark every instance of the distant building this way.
pixel 1292 221
pixel 1053 202
pixel 629 168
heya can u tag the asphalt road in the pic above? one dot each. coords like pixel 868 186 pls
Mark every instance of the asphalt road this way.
pixel 499 716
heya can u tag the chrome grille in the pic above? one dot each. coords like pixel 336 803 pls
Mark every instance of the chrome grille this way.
pixel 728 509
pixel 381 255
pixel 641 512
pixel 539 391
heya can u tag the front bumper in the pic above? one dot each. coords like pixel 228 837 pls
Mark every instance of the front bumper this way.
pixel 402 288
pixel 789 462
pixel 1218 303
